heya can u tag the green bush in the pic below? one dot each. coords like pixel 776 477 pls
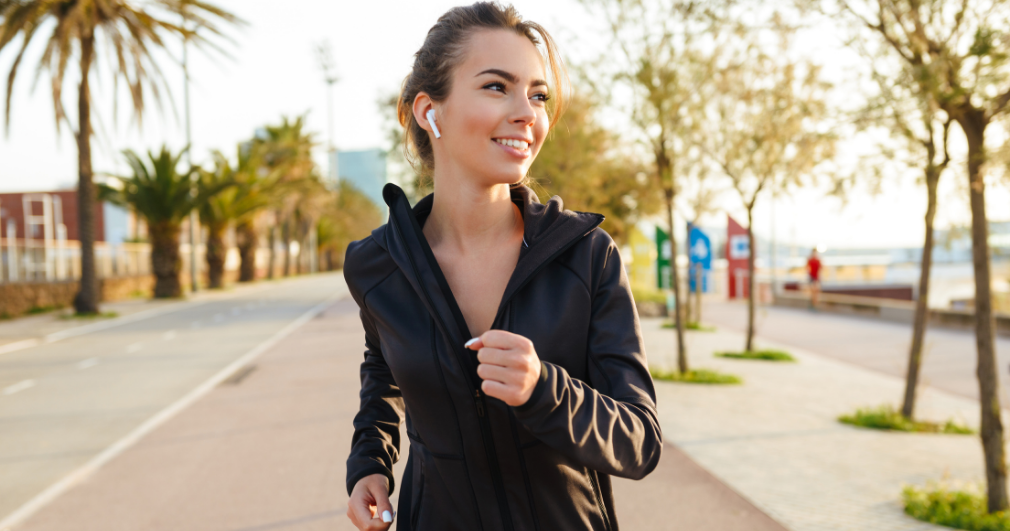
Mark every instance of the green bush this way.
pixel 698 376
pixel 886 417
pixel 102 315
pixel 946 505
pixel 762 355
pixel 697 327
pixel 648 295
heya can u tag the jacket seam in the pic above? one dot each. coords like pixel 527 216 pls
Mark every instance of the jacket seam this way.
pixel 585 284
pixel 364 295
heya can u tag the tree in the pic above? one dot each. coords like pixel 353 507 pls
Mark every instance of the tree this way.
pixel 665 68
pixel 911 116
pixel 163 196
pixel 765 130
pixel 349 216
pixel 287 149
pixel 959 55
pixel 583 163
pixel 248 192
pixel 131 33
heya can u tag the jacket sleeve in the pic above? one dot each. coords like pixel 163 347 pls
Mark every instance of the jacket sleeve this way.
pixel 375 445
pixel 609 423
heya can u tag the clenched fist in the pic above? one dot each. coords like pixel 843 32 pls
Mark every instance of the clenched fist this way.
pixel 509 365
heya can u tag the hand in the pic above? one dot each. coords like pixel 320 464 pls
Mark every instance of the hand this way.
pixel 369 500
pixel 509 365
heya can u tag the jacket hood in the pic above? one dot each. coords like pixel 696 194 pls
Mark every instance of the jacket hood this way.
pixel 549 231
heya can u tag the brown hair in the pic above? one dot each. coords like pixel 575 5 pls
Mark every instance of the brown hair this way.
pixel 444 48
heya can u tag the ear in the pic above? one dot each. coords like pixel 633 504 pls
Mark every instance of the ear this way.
pixel 422 104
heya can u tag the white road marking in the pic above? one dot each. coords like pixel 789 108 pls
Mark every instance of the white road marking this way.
pixel 68 481
pixel 133 348
pixel 20 386
pixel 18 345
pixel 170 335
pixel 87 364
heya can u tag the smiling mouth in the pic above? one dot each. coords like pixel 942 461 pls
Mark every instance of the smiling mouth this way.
pixel 520 145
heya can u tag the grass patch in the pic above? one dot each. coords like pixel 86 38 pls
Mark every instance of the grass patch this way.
pixel 952 506
pixel 648 295
pixel 697 376
pixel 697 327
pixel 36 310
pixel 94 315
pixel 886 417
pixel 761 355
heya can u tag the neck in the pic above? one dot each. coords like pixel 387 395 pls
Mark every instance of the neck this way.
pixel 467 216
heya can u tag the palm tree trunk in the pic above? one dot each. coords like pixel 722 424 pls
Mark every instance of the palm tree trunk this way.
pixel 921 305
pixel 165 260
pixel 246 236
pixel 286 238
pixel 86 300
pixel 273 252
pixel 216 254
pixel 973 122
pixel 750 279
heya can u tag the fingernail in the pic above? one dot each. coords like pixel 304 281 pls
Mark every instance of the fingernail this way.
pixel 471 342
pixel 387 517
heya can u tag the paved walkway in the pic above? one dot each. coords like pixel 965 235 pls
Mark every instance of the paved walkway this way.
pixel 775 439
pixel 265 450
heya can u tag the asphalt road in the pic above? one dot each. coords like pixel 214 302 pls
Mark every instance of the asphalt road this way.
pixel 264 449
pixel 949 356
pixel 65 402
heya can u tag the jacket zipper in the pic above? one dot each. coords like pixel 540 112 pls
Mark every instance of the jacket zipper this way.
pixel 485 426
pixel 599 498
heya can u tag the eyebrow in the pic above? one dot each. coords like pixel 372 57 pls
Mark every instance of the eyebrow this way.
pixel 510 77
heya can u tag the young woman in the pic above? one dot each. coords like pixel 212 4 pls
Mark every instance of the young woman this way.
pixel 502 330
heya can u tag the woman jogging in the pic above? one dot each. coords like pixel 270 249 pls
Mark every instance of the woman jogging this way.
pixel 501 330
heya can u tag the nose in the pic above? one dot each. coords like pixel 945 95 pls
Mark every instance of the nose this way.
pixel 523 112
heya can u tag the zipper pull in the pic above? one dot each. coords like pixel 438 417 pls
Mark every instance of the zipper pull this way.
pixel 480 403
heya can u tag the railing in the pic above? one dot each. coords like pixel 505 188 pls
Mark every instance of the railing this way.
pixel 32 261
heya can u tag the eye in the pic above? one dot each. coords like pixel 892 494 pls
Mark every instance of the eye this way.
pixel 541 96
pixel 496 86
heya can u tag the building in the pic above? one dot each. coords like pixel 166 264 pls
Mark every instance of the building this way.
pixel 366 170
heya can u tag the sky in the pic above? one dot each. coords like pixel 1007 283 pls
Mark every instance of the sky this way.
pixel 271 71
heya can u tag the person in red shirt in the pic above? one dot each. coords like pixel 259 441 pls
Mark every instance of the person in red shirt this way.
pixel 814 271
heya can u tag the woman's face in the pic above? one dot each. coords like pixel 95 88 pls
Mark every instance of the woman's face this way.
pixel 494 120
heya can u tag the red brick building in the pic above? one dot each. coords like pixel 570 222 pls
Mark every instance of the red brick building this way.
pixel 12 208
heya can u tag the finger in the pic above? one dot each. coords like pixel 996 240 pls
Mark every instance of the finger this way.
pixel 474 344
pixel 496 373
pixel 360 509
pixel 495 356
pixel 503 340
pixel 383 509
pixel 498 390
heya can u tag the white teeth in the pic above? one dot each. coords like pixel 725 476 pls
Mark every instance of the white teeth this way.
pixel 517 144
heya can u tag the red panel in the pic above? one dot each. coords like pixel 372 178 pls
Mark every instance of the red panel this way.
pixel 12 209
pixel 734 264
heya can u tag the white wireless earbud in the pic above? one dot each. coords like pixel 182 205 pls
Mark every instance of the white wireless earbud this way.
pixel 431 120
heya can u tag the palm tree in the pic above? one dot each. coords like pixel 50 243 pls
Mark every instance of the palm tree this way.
pixel 163 197
pixel 130 33
pixel 238 204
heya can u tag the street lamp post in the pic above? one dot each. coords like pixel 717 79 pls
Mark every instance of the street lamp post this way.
pixel 325 57
pixel 193 221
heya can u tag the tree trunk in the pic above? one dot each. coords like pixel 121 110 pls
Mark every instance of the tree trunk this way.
pixel 216 254
pixel 86 300
pixel 921 305
pixel 973 123
pixel 286 238
pixel 678 316
pixel 273 252
pixel 165 260
pixel 246 236
pixel 750 279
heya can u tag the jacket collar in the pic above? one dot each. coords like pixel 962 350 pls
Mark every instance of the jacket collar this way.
pixel 549 231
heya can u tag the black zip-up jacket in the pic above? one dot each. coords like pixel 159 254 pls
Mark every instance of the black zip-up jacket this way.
pixel 476 463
